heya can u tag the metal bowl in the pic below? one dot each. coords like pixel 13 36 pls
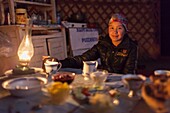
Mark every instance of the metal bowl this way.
pixel 24 86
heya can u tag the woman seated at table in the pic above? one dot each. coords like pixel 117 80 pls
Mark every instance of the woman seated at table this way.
pixel 117 52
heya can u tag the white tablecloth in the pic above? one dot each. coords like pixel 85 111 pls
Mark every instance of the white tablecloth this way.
pixel 11 104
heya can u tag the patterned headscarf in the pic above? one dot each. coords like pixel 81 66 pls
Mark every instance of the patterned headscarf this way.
pixel 119 18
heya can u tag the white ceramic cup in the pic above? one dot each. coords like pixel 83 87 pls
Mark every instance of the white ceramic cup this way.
pixel 52 67
pixel 89 66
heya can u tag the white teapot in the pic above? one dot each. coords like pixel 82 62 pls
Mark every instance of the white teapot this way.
pixel 89 66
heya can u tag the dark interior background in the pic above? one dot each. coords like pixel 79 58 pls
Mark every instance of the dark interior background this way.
pixel 149 22
pixel 165 24
pixel 143 20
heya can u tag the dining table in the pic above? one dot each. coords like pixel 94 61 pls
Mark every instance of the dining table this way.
pixel 33 104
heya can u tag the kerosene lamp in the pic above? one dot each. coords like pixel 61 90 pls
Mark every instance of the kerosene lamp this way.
pixel 25 51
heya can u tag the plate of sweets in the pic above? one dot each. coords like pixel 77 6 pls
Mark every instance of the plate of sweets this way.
pixel 94 100
pixel 83 95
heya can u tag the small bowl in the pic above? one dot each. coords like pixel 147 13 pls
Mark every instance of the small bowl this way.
pixel 99 77
pixel 133 81
pixel 24 86
pixel 57 92
pixel 67 77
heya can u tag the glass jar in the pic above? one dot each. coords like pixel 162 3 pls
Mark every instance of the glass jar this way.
pixel 21 16
pixel 58 18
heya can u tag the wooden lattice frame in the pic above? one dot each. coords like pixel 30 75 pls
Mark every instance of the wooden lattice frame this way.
pixel 143 17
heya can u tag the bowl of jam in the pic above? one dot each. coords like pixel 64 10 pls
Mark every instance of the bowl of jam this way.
pixel 67 77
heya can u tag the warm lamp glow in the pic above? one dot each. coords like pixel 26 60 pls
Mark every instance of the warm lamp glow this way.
pixel 26 49
pixel 25 52
pixel 24 56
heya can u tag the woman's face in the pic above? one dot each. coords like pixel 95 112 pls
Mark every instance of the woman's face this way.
pixel 116 31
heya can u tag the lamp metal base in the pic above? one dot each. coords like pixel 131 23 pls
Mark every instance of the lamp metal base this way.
pixel 21 70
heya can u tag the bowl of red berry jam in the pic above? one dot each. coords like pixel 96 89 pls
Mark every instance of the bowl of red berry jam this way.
pixel 67 77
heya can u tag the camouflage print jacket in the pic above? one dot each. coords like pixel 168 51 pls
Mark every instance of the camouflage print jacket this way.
pixel 121 59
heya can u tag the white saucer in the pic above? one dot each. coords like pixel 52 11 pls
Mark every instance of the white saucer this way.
pixel 36 70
